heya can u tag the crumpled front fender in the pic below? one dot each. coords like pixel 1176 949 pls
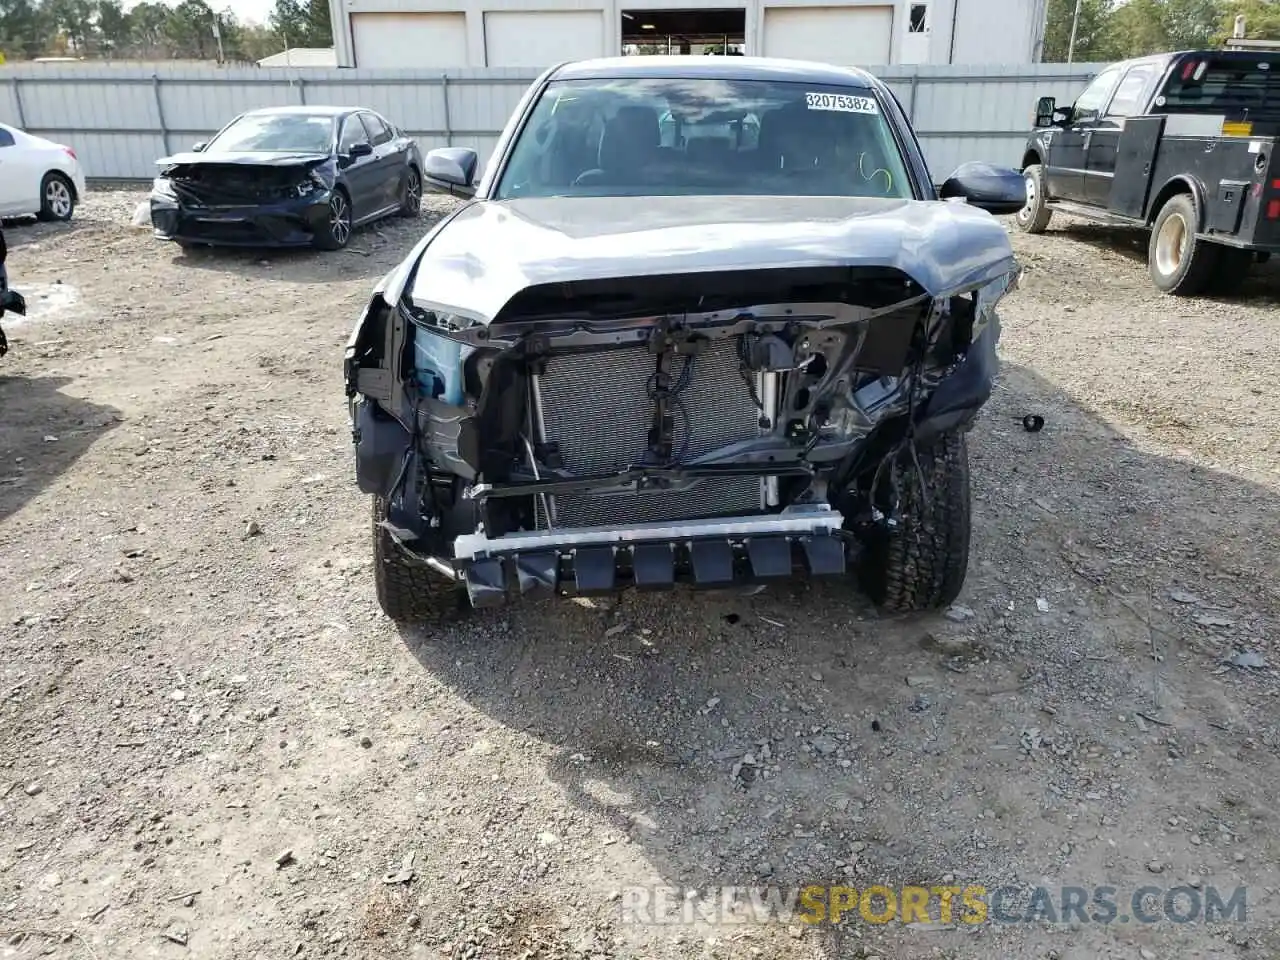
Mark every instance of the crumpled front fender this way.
pixel 956 400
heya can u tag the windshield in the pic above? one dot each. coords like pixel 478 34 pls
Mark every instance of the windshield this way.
pixel 688 137
pixel 276 133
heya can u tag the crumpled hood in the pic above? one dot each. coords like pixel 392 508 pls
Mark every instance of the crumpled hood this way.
pixel 477 260
pixel 252 158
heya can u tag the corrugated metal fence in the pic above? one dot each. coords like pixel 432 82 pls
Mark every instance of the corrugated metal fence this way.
pixel 121 118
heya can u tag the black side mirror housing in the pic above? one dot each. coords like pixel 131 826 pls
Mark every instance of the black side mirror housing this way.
pixel 451 170
pixel 359 150
pixel 1046 110
pixel 199 147
pixel 997 190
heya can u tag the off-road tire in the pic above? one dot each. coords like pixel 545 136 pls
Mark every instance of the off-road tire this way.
pixel 330 236
pixel 411 194
pixel 62 204
pixel 408 591
pixel 1194 266
pixel 1035 216
pixel 921 563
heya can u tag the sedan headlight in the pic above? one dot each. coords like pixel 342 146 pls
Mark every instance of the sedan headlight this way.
pixel 313 184
pixel 161 187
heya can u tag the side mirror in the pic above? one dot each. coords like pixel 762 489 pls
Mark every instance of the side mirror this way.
pixel 997 190
pixel 358 150
pixel 451 170
pixel 1046 108
pixel 199 147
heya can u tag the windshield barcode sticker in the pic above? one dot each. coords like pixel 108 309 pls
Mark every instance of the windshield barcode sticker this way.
pixel 842 102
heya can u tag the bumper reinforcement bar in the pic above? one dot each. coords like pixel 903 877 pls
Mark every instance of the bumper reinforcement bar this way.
pixel 795 520
pixel 652 556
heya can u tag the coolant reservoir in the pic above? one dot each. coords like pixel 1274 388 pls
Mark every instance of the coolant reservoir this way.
pixel 438 363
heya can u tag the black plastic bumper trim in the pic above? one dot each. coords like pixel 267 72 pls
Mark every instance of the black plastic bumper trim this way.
pixel 537 573
pixel 824 556
pixel 594 570
pixel 653 566
pixel 770 557
pixel 712 562
pixel 486 582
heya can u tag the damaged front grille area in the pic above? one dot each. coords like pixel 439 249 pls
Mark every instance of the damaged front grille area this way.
pixel 598 411
pixel 578 424
pixel 237 184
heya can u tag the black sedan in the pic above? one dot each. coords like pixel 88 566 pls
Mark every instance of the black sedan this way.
pixel 288 176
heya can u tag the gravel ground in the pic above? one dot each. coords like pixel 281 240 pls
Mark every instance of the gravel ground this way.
pixel 212 743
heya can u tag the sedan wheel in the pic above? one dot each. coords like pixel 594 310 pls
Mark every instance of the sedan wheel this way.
pixel 57 202
pixel 337 230
pixel 411 200
pixel 340 219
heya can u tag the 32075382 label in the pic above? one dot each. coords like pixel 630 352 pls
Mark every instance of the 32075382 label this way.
pixel 843 102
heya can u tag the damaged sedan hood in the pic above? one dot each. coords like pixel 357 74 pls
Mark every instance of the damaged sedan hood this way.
pixel 477 260
pixel 251 158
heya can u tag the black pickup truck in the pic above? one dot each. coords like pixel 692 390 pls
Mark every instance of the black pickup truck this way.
pixel 1180 144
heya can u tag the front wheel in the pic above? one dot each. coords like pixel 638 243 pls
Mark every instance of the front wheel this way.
pixel 407 591
pixel 57 198
pixel 336 230
pixel 920 563
pixel 1035 213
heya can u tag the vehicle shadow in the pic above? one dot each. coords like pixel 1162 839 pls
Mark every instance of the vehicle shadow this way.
pixel 1261 281
pixel 1131 243
pixel 794 737
pixel 22 232
pixel 372 251
pixel 42 433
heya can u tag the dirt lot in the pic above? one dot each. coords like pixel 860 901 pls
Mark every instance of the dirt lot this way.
pixel 212 744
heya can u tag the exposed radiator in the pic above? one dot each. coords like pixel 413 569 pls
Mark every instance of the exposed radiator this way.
pixel 597 409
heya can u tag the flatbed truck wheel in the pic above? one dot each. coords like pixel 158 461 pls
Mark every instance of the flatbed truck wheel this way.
pixel 1034 217
pixel 1179 263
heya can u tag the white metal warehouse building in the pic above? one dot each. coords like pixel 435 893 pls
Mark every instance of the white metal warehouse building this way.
pixel 538 33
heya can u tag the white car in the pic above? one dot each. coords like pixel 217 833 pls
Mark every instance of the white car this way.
pixel 37 177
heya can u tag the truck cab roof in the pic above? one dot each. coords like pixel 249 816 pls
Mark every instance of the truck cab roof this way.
pixel 1222 55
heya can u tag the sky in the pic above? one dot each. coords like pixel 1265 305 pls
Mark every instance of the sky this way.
pixel 257 10
pixel 245 10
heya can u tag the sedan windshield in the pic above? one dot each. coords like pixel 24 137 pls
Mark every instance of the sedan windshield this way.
pixel 688 137
pixel 276 133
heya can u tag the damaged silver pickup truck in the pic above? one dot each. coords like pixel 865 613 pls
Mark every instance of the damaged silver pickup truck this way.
pixel 701 320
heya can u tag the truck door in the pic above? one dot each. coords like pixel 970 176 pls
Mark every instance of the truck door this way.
pixel 1130 100
pixel 1068 150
